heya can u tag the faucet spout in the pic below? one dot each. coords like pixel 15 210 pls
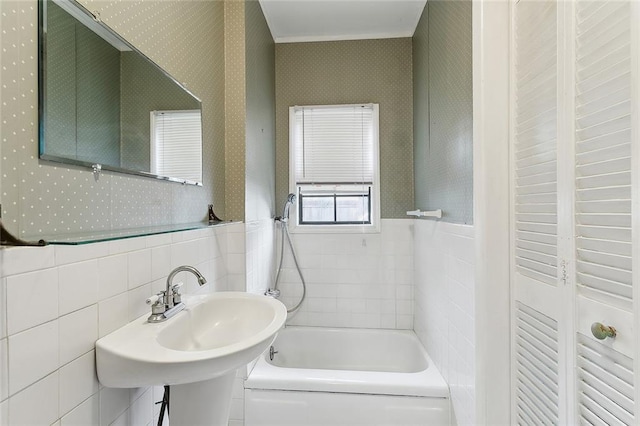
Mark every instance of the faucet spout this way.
pixel 167 303
pixel 169 299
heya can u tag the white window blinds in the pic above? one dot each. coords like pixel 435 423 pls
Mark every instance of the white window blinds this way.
pixel 334 144
pixel 177 144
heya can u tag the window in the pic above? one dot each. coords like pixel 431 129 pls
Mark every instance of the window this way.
pixel 334 165
pixel 176 144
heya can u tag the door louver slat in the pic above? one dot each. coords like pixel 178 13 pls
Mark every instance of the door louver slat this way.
pixel 536 367
pixel 605 382
pixel 535 142
pixel 603 152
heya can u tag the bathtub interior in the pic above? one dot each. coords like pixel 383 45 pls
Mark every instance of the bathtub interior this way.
pixel 321 358
pixel 348 349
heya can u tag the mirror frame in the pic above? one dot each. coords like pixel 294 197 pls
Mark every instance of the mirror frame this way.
pixel 42 72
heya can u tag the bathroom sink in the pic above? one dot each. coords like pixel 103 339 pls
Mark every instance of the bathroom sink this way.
pixel 214 335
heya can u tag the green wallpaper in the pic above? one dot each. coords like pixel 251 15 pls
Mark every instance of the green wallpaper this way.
pixel 344 72
pixel 235 107
pixel 443 107
pixel 260 116
pixel 421 109
pixel 249 112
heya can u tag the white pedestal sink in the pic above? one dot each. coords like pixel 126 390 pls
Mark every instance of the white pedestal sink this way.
pixel 199 350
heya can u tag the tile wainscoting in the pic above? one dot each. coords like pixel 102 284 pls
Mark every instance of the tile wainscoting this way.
pixel 353 280
pixel 444 307
pixel 56 301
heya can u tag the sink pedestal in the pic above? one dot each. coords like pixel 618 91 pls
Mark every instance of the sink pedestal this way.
pixel 202 403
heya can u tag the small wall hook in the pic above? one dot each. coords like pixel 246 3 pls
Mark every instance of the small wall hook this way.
pixel 97 169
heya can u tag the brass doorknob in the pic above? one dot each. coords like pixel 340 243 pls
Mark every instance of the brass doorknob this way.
pixel 601 331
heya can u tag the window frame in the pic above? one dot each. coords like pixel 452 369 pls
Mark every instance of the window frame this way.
pixel 374 198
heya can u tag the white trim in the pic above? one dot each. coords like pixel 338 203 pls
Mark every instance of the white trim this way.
pixel 297 107
pixel 512 212
pixel 73 9
pixel 153 163
pixel 267 19
pixel 635 190
pixel 344 37
pixel 374 227
pixel 491 35
pixel 566 191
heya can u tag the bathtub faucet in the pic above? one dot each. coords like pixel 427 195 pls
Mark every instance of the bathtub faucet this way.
pixel 272 292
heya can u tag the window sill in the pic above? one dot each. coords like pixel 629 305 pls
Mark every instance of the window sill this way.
pixel 335 229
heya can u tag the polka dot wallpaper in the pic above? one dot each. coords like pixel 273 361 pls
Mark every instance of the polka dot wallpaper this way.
pixel 260 127
pixel 345 72
pixel 235 107
pixel 186 39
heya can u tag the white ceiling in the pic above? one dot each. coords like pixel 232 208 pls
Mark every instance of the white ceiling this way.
pixel 323 20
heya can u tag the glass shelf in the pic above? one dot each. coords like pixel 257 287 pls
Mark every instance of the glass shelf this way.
pixel 73 239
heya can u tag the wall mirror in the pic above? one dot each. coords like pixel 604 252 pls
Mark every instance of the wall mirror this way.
pixel 102 102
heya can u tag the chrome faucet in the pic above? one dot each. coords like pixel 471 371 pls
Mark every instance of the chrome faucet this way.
pixel 167 303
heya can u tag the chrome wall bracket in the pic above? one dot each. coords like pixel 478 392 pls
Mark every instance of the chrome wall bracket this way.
pixel 97 170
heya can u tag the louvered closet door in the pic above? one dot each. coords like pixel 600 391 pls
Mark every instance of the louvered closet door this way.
pixel 536 386
pixel 603 219
pixel 574 162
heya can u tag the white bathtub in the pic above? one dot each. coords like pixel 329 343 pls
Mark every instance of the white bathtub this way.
pixel 325 376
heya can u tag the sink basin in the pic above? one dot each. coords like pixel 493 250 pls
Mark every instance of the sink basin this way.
pixel 214 335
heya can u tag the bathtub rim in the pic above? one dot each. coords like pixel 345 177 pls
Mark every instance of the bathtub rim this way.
pixel 425 383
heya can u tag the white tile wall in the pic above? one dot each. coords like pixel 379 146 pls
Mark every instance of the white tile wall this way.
pixel 59 300
pixel 259 243
pixel 37 404
pixel 4 370
pixel 113 276
pixel 140 267
pixel 113 403
pixel 33 354
pixel 87 413
pixel 236 413
pixel 78 333
pixel 353 280
pixel 444 307
pixel 32 299
pixel 4 412
pixel 250 265
pixel 19 260
pixel 235 258
pixel 78 382
pixel 78 285
pixel 3 303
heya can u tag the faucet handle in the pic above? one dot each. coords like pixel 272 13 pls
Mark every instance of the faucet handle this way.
pixel 175 293
pixel 153 299
pixel 176 288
